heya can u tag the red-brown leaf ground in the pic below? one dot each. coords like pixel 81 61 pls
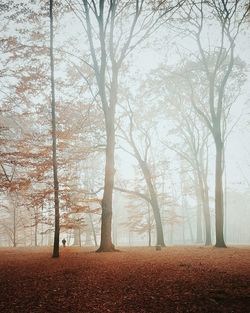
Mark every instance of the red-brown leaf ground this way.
pixel 175 279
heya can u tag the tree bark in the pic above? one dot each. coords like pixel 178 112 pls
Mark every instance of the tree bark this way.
pixel 154 204
pixel 36 227
pixel 206 211
pixel 199 215
pixel 219 214
pixel 14 226
pixel 157 216
pixel 207 218
pixel 106 244
pixel 54 148
pixel 149 228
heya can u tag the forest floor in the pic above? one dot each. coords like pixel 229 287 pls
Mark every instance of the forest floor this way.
pixel 134 280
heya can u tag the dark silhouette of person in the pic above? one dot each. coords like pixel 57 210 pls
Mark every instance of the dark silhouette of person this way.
pixel 64 242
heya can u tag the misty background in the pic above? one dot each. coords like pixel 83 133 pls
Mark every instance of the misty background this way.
pixel 153 104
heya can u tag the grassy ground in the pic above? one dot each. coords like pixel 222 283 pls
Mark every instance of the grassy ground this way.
pixel 175 279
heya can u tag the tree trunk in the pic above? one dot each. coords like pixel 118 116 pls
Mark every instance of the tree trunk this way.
pixel 205 204
pixel 149 228
pixel 185 213
pixel 53 115
pixel 199 215
pixel 106 244
pixel 14 226
pixel 157 216
pixel 207 218
pixel 36 226
pixel 154 204
pixel 219 216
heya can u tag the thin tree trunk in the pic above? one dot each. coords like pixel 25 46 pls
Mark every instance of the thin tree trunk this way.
pixel 15 204
pixel 185 212
pixel 154 204
pixel 149 228
pixel 199 215
pixel 14 226
pixel 205 204
pixel 53 115
pixel 219 214
pixel 36 232
pixel 225 200
pixel 183 226
pixel 207 218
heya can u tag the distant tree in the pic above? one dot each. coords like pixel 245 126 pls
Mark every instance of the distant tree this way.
pixel 140 150
pixel 217 65
pixel 195 153
pixel 140 217
pixel 185 134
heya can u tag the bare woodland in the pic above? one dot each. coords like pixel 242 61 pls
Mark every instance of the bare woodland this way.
pixel 106 147
pixel 124 128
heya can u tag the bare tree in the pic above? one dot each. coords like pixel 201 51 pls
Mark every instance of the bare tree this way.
pixel 196 154
pixel 142 158
pixel 114 28
pixel 187 136
pixel 217 63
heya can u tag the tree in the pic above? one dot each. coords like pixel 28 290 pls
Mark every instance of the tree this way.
pixel 139 217
pixel 54 147
pixel 142 158
pixel 195 140
pixel 114 29
pixel 25 114
pixel 185 136
pixel 217 65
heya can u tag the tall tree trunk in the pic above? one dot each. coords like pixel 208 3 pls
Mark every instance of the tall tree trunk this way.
pixel 205 205
pixel 155 207
pixel 219 214
pixel 185 213
pixel 207 218
pixel 106 244
pixel 14 226
pixel 36 226
pixel 153 201
pixel 14 202
pixel 199 215
pixel 53 120
pixel 157 216
pixel 149 228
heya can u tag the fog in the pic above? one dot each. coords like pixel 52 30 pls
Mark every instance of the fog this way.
pixel 163 84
